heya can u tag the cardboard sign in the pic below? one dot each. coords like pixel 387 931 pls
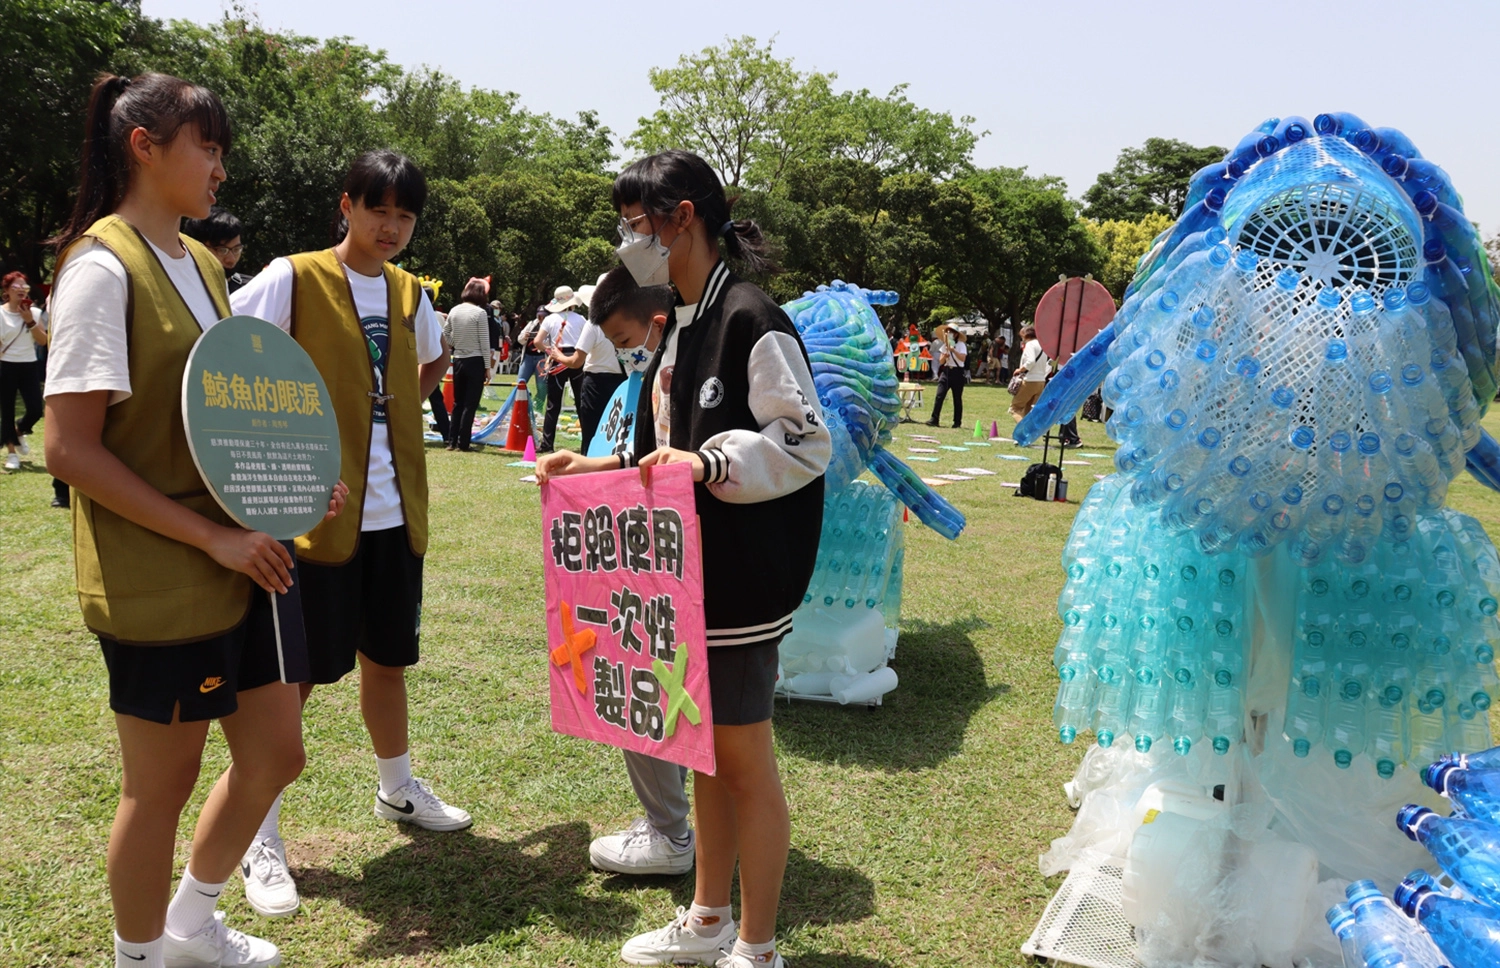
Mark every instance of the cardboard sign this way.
pixel 628 657
pixel 265 439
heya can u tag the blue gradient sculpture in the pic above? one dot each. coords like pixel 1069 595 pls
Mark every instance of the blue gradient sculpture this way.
pixel 1296 374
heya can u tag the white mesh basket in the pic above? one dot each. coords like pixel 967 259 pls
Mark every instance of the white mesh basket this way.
pixel 1083 924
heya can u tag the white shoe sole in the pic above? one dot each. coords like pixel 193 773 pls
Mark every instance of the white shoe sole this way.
pixel 441 826
pixel 606 863
pixel 269 912
pixel 712 959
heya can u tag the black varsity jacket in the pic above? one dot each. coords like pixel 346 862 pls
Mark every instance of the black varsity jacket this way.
pixel 742 397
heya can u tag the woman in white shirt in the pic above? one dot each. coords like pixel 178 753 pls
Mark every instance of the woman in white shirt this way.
pixel 1034 367
pixel 21 332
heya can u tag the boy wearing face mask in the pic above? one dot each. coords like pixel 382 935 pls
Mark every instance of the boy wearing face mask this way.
pixel 630 321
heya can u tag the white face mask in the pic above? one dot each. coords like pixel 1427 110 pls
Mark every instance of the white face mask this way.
pixel 635 359
pixel 646 258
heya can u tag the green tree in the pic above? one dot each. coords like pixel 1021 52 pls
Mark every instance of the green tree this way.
pixel 749 114
pixel 895 135
pixel 50 53
pixel 1123 243
pixel 1151 178
pixel 1024 234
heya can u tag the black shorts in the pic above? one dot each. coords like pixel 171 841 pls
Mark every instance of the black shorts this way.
pixel 371 604
pixel 200 680
pixel 742 682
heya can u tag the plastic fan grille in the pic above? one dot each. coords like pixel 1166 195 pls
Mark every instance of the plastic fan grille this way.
pixel 1083 923
pixel 1337 235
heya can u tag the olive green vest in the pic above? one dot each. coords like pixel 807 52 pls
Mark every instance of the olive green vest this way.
pixel 326 322
pixel 137 586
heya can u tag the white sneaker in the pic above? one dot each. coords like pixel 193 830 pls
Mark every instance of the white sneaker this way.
pixel 642 849
pixel 218 947
pixel 269 887
pixel 23 447
pixel 676 945
pixel 13 461
pixel 741 961
pixel 414 803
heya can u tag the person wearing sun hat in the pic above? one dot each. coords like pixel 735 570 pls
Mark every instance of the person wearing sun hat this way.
pixel 560 333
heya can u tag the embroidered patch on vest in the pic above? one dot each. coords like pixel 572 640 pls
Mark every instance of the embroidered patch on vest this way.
pixel 711 394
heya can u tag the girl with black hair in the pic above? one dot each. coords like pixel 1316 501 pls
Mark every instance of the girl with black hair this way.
pixel 377 341
pixel 730 392
pixel 165 579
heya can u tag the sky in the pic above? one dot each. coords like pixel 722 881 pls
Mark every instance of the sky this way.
pixel 1060 86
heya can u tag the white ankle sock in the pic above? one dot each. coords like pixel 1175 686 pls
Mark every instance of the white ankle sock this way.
pixel 395 772
pixel 270 828
pixel 192 906
pixel 706 922
pixel 128 954
pixel 760 954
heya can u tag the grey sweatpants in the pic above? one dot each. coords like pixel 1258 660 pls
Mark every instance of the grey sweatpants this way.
pixel 662 789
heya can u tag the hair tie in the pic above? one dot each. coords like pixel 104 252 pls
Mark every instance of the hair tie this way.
pixel 727 227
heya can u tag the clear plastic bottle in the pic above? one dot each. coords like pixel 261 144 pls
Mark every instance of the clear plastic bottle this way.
pixel 1467 933
pixel 1385 936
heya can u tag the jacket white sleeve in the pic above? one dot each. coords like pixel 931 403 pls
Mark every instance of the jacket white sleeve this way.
pixel 792 447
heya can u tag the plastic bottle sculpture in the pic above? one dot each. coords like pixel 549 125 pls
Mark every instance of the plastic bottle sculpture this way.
pixel 845 631
pixel 1297 372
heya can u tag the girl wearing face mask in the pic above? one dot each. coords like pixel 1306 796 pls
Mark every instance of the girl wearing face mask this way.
pixel 730 393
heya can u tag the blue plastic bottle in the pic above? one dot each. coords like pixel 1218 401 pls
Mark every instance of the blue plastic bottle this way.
pixel 1468 850
pixel 1341 922
pixel 1385 936
pixel 1467 933
pixel 1475 792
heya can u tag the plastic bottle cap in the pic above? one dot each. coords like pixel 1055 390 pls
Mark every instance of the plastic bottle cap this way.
pixel 1362 303
pixel 1339 914
pixel 1219 255
pixel 1302 439
pixel 1394 300
pixel 1361 891
pixel 1204 317
pixel 1433 251
pixel 1294 133
pixel 1246 261
pixel 1337 351
pixel 1329 298
pixel 1426 202
pixel 1287 279
pixel 1369 444
pixel 1340 441
pixel 1436 776
pixel 1408 821
pixel 1418 293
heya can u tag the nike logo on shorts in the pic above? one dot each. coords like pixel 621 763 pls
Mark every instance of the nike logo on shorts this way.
pixel 211 683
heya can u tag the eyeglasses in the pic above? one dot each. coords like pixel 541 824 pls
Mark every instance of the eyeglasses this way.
pixel 627 226
pixel 228 249
pixel 19 287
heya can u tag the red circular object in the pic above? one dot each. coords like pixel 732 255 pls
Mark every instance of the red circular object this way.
pixel 1070 314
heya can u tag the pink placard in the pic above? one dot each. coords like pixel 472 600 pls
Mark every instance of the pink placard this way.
pixel 627 652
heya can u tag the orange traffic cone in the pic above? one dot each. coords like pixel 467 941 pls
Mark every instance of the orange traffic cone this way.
pixel 520 422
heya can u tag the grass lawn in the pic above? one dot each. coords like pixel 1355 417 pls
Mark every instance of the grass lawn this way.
pixel 915 827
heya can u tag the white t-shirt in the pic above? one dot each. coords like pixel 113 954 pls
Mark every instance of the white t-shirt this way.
pixel 1034 362
pixel 88 352
pixel 269 297
pixel 563 329
pixel 15 338
pixel 661 389
pixel 601 352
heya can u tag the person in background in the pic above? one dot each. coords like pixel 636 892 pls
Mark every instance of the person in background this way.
pixel 496 313
pixel 532 357
pixel 440 421
pixel 950 355
pixel 1035 366
pixel 223 234
pixel 560 333
pixel 602 374
pixel 467 330
pixel 999 357
pixel 22 331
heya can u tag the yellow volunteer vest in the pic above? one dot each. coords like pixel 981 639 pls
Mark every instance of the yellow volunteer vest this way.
pixel 326 323
pixel 134 585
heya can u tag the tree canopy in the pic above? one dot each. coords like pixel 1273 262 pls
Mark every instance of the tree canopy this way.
pixel 1151 178
pixel 871 188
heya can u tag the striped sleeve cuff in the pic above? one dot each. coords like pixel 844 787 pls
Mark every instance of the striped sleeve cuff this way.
pixel 715 466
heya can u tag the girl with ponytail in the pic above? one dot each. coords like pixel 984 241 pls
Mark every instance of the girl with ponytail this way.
pixel 166 580
pixel 729 392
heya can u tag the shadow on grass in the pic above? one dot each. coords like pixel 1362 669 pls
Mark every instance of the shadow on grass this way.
pixel 813 893
pixel 920 725
pixel 443 891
